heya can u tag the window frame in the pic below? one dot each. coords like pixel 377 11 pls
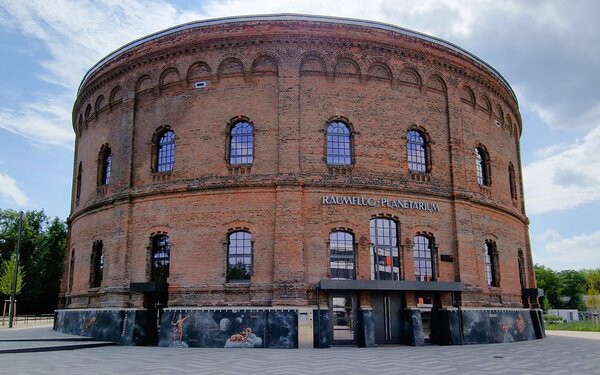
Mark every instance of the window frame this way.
pixel 247 253
pixel 431 259
pixel 344 259
pixel 491 266
pixel 483 168
pixel 512 182
pixel 160 266
pixel 426 150
pixel 349 143
pixel 97 264
pixel 231 138
pixel 379 248
pixel 157 148
pixel 104 165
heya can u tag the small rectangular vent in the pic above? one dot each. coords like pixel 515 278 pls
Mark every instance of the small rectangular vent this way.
pixel 200 84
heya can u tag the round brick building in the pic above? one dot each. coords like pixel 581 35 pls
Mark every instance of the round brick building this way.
pixel 290 181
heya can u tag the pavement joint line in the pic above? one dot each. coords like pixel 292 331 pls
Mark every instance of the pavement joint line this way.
pixel 55 348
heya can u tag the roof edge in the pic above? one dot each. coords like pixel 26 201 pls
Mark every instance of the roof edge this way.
pixel 295 17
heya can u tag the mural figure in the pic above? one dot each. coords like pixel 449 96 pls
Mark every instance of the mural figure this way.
pixel 178 334
pixel 244 339
pixel 506 331
pixel 520 333
pixel 87 324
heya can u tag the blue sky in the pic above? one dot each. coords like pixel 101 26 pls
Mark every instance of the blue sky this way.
pixel 547 50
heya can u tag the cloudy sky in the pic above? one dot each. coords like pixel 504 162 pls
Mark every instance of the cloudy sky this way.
pixel 549 51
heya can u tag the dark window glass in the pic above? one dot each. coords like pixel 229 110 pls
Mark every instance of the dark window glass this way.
pixel 78 187
pixel 490 264
pixel 341 255
pixel 161 257
pixel 385 262
pixel 417 155
pixel 481 163
pixel 512 182
pixel 521 262
pixel 423 257
pixel 338 144
pixel 241 147
pixel 166 152
pixel 71 270
pixel 239 256
pixel 97 264
pixel 106 164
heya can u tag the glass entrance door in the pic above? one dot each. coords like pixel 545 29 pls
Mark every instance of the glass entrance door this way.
pixel 343 311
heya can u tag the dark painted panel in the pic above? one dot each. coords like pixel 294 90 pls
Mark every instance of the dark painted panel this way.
pixel 322 334
pixel 366 328
pixel 537 319
pixel 229 328
pixel 103 325
pixel 447 331
pixel 413 328
pixel 282 329
pixel 476 326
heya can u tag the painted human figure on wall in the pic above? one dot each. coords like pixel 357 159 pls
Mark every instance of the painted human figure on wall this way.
pixel 178 334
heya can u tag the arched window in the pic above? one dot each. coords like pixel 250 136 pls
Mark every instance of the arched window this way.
pixel 512 182
pixel 165 151
pixel 385 261
pixel 78 183
pixel 490 256
pixel 104 164
pixel 97 260
pixel 483 166
pixel 239 256
pixel 71 270
pixel 416 149
pixel 160 258
pixel 339 145
pixel 241 143
pixel 521 264
pixel 341 255
pixel 424 258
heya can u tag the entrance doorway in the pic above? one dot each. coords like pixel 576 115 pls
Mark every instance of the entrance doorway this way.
pixel 343 320
pixel 387 309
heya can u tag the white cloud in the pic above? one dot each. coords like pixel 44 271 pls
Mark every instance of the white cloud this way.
pixel 11 191
pixel 566 179
pixel 558 253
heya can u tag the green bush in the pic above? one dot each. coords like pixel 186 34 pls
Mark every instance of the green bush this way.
pixel 552 319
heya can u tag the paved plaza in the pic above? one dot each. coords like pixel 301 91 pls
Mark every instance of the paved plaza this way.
pixel 74 355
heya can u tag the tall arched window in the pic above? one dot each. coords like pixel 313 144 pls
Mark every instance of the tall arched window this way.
pixel 512 182
pixel 339 145
pixel 97 260
pixel 483 166
pixel 78 183
pixel 104 165
pixel 165 159
pixel 521 264
pixel 424 258
pixel 71 270
pixel 239 256
pixel 385 260
pixel 341 255
pixel 241 143
pixel 416 149
pixel 160 258
pixel 490 256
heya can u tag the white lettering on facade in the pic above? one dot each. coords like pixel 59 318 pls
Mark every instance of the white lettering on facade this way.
pixel 381 202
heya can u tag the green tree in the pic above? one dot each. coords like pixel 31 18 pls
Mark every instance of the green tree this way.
pixel 573 285
pixel 7 272
pixel 548 280
pixel 42 253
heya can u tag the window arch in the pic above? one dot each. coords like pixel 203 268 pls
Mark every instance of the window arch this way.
pixel 512 181
pixel 341 255
pixel 490 256
pixel 239 256
pixel 160 258
pixel 78 183
pixel 482 161
pixel 97 264
pixel 417 149
pixel 424 256
pixel 385 254
pixel 241 143
pixel 164 150
pixel 339 143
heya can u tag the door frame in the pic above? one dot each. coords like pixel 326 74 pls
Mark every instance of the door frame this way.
pixel 354 322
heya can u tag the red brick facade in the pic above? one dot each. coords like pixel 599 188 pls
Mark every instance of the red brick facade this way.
pixel 289 79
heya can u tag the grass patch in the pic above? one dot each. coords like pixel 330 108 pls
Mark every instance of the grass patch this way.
pixel 584 325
